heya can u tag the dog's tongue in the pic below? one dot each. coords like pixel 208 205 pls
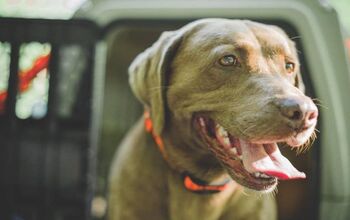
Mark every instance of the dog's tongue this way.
pixel 267 158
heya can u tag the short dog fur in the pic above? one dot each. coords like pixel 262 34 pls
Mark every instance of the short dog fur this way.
pixel 236 75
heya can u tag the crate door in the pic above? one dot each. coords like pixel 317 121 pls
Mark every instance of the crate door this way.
pixel 46 87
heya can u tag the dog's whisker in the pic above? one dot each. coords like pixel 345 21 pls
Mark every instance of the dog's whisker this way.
pixel 296 37
pixel 322 106
pixel 274 192
pixel 238 127
pixel 246 130
pixel 307 145
pixel 316 99
pixel 313 138
pixel 319 103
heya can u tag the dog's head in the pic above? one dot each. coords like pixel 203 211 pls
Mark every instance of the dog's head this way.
pixel 233 88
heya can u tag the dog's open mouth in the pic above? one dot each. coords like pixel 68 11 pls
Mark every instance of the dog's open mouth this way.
pixel 255 166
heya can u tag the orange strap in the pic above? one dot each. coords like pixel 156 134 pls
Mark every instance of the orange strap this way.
pixel 192 184
pixel 201 187
pixel 156 138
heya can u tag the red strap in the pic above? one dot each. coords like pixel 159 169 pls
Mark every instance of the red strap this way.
pixel 26 77
pixel 189 183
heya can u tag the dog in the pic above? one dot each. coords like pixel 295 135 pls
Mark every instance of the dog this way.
pixel 219 95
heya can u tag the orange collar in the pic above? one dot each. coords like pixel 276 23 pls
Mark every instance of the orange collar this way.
pixel 191 183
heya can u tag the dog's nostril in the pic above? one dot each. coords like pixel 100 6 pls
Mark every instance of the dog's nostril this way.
pixel 292 109
pixel 296 115
pixel 312 115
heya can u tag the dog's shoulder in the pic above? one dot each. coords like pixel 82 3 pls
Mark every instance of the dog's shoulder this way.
pixel 137 180
pixel 136 151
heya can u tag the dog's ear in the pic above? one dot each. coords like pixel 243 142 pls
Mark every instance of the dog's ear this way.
pixel 147 75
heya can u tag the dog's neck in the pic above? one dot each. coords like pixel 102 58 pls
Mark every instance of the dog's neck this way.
pixel 191 182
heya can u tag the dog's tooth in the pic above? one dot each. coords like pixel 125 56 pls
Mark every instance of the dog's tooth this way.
pixel 263 175
pixel 201 121
pixel 222 136
pixel 227 142
pixel 234 151
pixel 221 131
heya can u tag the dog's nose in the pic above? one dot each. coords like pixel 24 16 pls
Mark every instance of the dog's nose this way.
pixel 301 112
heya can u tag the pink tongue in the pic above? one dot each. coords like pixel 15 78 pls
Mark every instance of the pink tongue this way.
pixel 268 159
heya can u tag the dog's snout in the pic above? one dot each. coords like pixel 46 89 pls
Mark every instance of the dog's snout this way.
pixel 302 113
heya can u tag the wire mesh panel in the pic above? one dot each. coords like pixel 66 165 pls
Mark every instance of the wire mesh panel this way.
pixel 45 118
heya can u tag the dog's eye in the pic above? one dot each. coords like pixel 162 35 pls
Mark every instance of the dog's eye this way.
pixel 290 67
pixel 229 60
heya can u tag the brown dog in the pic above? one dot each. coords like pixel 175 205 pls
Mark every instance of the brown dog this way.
pixel 219 95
